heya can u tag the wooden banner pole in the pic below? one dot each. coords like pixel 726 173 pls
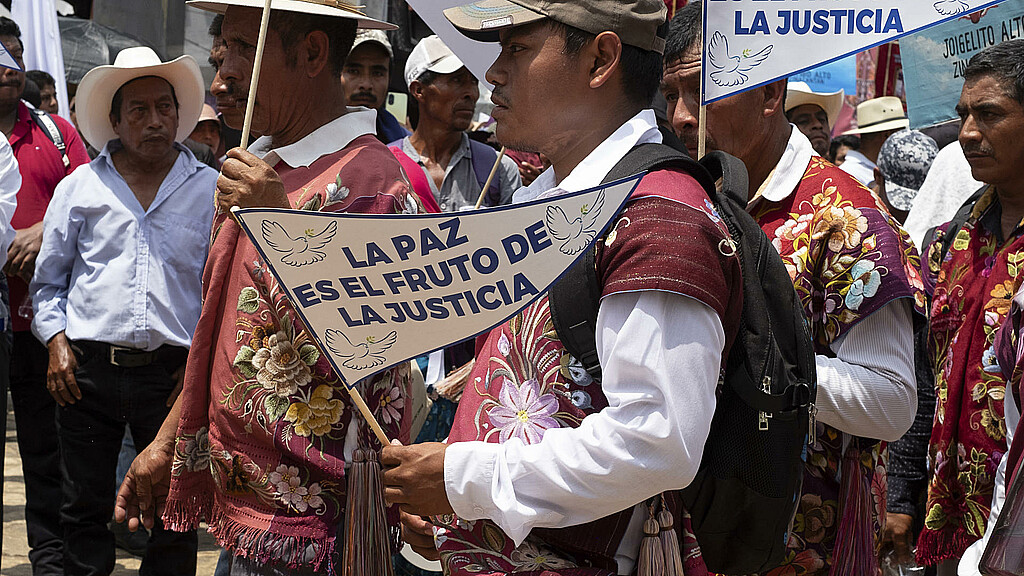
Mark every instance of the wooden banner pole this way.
pixel 490 178
pixel 354 394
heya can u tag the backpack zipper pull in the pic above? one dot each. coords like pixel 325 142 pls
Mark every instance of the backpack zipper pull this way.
pixel 762 417
pixel 812 412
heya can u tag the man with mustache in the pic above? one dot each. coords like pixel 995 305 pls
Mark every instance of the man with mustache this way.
pixel 365 79
pixel 42 166
pixel 257 443
pixel 857 274
pixel 973 285
pixel 456 167
pixel 116 291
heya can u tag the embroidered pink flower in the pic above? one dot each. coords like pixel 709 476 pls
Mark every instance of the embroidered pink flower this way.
pixel 524 413
pixel 289 486
pixel 279 367
pixel 312 498
pixel 391 405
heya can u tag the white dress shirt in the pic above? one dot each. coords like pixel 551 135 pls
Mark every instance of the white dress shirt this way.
pixel 858 166
pixel 10 183
pixel 109 270
pixel 651 436
pixel 327 139
pixel 869 388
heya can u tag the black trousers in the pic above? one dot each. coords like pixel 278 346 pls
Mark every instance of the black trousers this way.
pixel 35 419
pixel 90 439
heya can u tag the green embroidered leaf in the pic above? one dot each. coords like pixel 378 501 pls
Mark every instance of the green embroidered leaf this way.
pixel 936 518
pixel 275 407
pixel 248 300
pixel 313 204
pixel 309 354
pixel 247 369
pixel 244 355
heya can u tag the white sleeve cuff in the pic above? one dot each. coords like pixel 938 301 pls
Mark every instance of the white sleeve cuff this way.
pixel 468 477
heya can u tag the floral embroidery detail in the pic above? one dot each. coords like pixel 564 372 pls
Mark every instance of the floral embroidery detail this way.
pixel 391 405
pixel 318 416
pixel 866 282
pixel 842 226
pixel 529 557
pixel 279 367
pixel 503 345
pixel 524 413
pixel 336 192
pixel 197 451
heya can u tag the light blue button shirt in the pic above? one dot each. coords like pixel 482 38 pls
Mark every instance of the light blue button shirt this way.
pixel 112 272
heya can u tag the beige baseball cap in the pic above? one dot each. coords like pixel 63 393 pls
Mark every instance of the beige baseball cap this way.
pixel 375 36
pixel 636 22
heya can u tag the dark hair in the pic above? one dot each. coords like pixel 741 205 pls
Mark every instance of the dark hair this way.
pixel 31 93
pixel 216 25
pixel 116 101
pixel 293 26
pixel 851 141
pixel 428 78
pixel 1004 61
pixel 9 27
pixel 641 69
pixel 41 78
pixel 684 31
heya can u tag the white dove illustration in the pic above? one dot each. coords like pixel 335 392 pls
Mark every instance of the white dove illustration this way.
pixel 575 234
pixel 730 69
pixel 359 356
pixel 950 7
pixel 305 249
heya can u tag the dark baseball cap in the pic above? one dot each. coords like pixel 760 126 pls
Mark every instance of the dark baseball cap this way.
pixel 636 22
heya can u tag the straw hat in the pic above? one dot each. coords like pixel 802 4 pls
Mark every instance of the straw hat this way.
pixel 799 93
pixel 880 115
pixel 208 114
pixel 97 89
pixel 338 8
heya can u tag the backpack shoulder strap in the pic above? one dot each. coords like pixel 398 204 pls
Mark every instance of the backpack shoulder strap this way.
pixel 955 224
pixel 483 158
pixel 49 126
pixel 574 300
pixel 417 179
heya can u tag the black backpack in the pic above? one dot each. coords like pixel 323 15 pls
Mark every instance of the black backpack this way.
pixel 744 497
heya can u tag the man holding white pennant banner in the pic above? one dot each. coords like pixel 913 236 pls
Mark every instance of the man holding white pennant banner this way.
pixel 749 43
pixel 374 299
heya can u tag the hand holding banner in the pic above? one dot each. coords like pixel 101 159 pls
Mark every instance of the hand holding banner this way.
pixel 376 291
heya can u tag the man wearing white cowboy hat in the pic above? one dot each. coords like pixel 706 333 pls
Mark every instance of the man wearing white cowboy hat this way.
pixel 813 113
pixel 117 290
pixel 256 444
pixel 877 119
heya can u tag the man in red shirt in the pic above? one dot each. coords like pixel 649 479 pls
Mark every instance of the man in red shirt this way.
pixel 42 166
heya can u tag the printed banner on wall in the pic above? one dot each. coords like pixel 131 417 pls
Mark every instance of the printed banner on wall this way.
pixel 749 43
pixel 934 60
pixel 376 290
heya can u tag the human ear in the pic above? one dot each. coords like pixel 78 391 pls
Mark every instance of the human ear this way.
pixel 774 98
pixel 604 55
pixel 317 52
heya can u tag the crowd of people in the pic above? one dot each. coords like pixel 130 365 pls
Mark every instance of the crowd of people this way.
pixel 143 327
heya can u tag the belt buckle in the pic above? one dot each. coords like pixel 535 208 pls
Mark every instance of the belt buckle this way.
pixel 113 354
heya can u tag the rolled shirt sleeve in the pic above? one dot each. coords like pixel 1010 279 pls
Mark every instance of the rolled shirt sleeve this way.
pixel 660 355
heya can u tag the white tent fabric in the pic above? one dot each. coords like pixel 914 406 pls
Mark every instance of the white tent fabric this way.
pixel 41 38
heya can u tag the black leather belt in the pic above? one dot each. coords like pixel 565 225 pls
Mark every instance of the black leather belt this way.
pixel 124 357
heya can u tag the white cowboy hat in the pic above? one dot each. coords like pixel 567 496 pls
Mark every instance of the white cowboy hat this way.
pixel 799 93
pixel 97 89
pixel 880 115
pixel 338 8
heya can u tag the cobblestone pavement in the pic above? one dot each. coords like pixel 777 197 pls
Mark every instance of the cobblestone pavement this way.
pixel 15 549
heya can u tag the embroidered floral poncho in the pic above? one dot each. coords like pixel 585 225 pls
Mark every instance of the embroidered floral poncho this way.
pixel 974 287
pixel 847 258
pixel 265 422
pixel 525 383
